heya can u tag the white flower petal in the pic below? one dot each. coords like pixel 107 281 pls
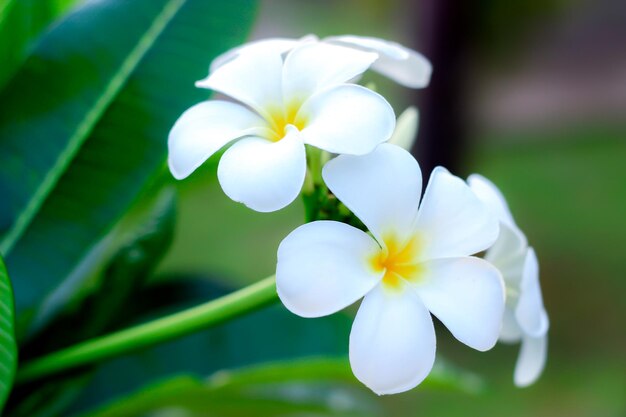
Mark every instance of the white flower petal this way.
pixel 203 129
pixel 382 188
pixel 347 119
pixel 490 195
pixel 531 360
pixel 254 78
pixel 271 45
pixel 508 254
pixel 324 267
pixel 452 221
pixel 510 331
pixel 265 176
pixel 401 64
pixel 387 48
pixel 530 312
pixel 467 295
pixel 392 342
pixel 314 66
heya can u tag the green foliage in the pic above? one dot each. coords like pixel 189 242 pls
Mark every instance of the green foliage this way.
pixel 21 21
pixel 78 150
pixel 444 376
pixel 87 214
pixel 322 386
pixel 270 334
pixel 266 341
pixel 103 309
pixel 83 133
pixel 8 349
pixel 47 400
pixel 308 385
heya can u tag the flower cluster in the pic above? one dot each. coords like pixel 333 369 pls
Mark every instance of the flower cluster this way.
pixel 418 256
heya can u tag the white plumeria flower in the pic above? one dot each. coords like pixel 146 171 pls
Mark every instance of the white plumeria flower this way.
pixel 416 260
pixel 403 65
pixel 525 318
pixel 288 101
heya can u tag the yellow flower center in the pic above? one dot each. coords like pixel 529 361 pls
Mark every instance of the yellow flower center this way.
pixel 399 261
pixel 280 118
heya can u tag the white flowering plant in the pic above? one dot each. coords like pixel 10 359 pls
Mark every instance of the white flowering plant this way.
pixel 369 236
pixel 85 220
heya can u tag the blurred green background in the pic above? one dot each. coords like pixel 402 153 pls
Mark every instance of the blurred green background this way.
pixel 531 94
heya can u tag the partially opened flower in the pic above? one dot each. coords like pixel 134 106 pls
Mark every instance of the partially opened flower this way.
pixel 525 318
pixel 416 260
pixel 401 64
pixel 287 102
pixel 406 129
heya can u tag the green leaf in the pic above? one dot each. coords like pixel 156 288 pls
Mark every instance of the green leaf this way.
pixel 193 398
pixel 68 95
pixel 322 385
pixel 21 21
pixel 306 369
pixel 277 389
pixel 102 309
pixel 49 400
pixel 94 126
pixel 443 376
pixel 8 349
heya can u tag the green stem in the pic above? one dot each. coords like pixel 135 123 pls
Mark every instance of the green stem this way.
pixel 314 162
pixel 160 330
pixel 314 189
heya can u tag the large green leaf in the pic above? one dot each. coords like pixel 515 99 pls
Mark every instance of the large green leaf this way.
pixel 60 94
pixel 102 309
pixel 443 376
pixel 21 21
pixel 8 349
pixel 306 385
pixel 102 306
pixel 104 88
pixel 191 398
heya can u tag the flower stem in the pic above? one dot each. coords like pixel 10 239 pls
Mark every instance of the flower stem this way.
pixel 157 331
pixel 314 163
pixel 314 190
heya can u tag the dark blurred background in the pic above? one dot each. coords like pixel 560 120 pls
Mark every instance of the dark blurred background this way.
pixel 531 94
